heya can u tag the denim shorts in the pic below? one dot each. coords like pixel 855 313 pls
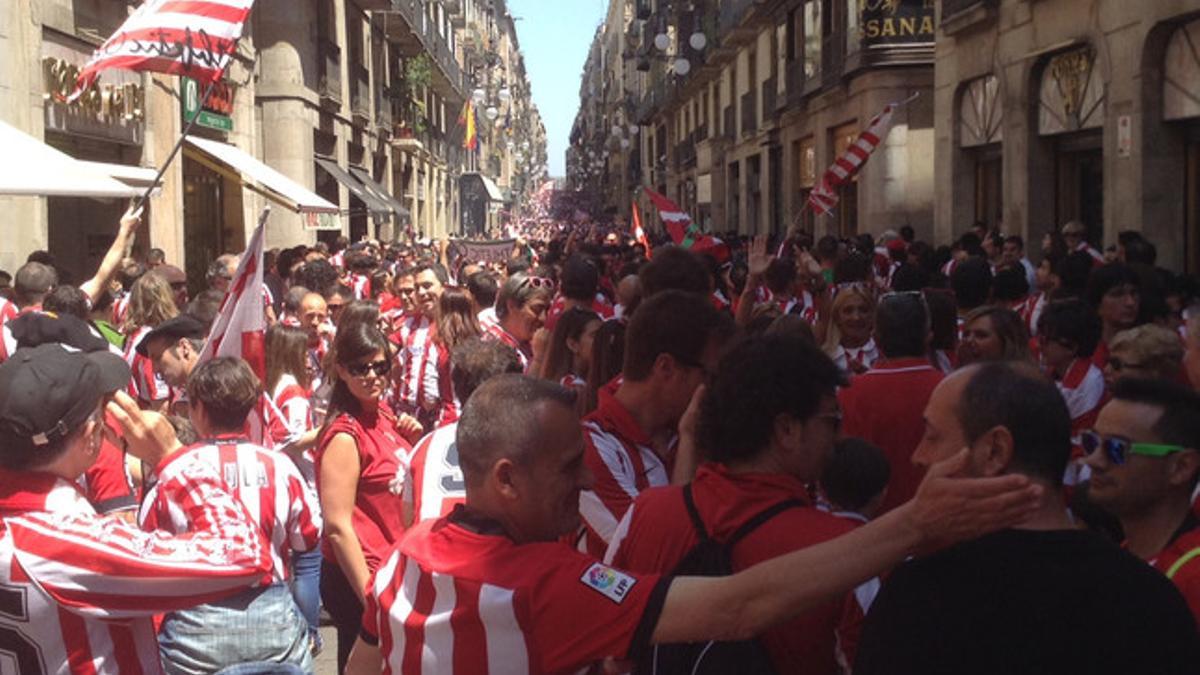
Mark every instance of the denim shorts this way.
pixel 256 625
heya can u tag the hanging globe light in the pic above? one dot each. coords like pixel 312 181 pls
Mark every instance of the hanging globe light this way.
pixel 683 66
pixel 616 130
pixel 698 41
pixel 492 112
pixel 505 94
pixel 524 145
pixel 625 143
pixel 478 95
pixel 634 129
pixel 662 41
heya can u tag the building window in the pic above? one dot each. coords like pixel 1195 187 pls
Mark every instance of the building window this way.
pixel 853 22
pixel 812 39
pixel 805 152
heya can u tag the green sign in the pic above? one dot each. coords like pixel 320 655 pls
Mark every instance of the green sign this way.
pixel 210 115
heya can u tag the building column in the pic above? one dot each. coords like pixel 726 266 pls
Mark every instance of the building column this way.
pixel 286 93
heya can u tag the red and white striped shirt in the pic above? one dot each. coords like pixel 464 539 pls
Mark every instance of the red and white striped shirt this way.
pixel 496 332
pixel 458 597
pixel 434 484
pixel 78 590
pixel 295 408
pixel 120 308
pixel 1082 386
pixel 850 358
pixel 424 369
pixel 145 385
pixel 623 463
pixel 1034 306
pixel 8 311
pixel 266 483
pixel 361 286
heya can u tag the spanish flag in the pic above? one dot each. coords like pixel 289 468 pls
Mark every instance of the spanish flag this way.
pixel 467 121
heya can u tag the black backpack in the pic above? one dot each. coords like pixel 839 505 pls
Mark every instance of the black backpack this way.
pixel 711 558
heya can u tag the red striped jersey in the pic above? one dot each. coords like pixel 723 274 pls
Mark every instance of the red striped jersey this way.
pixel 266 483
pixel 487 318
pixel 1082 386
pixel 107 483
pixel 573 381
pixel 853 359
pixel 1034 306
pixel 434 484
pixel 458 597
pixel 78 590
pixel 1180 562
pixel 295 408
pixel 623 463
pixel 120 308
pixel 496 332
pixel 361 286
pixel 145 385
pixel 423 368
pixel 8 310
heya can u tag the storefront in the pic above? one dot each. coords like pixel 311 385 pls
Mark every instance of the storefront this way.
pixel 481 204
pixel 105 126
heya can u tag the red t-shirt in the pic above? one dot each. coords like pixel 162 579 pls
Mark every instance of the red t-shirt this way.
pixel 459 597
pixel 106 483
pixel 381 454
pixel 886 406
pixel 657 534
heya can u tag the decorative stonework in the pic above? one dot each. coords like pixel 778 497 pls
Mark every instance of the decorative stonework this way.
pixel 1072 93
pixel 981 113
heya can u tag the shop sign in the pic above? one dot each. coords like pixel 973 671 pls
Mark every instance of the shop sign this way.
pixel 215 113
pixel 321 221
pixel 113 111
pixel 1124 136
pixel 897 22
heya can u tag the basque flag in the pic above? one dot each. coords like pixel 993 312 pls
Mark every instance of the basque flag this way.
pixel 192 38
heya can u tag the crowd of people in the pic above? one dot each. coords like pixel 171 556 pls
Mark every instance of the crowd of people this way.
pixel 802 455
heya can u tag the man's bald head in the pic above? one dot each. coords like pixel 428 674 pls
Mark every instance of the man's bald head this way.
pixel 313 313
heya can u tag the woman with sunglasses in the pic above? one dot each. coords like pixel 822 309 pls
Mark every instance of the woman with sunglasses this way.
pixel 359 467
pixel 521 310
pixel 1149 350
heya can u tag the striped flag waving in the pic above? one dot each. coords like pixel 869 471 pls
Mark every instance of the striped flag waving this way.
pixel 193 38
pixel 824 195
pixel 639 234
pixel 240 331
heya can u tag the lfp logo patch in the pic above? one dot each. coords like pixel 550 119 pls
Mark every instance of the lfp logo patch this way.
pixel 608 582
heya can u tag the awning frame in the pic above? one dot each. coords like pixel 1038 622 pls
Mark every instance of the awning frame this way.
pixel 375 206
pixel 258 177
pixel 380 192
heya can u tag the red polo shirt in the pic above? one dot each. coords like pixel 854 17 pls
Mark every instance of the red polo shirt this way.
pixel 657 534
pixel 1180 562
pixel 886 406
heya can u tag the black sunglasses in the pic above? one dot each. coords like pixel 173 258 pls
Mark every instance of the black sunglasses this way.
pixel 380 368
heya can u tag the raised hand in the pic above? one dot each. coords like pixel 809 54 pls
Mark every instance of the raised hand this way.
pixel 147 435
pixel 758 259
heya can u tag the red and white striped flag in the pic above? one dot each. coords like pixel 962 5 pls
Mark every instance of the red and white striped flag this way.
pixel 193 38
pixel 240 330
pixel 675 219
pixel 824 195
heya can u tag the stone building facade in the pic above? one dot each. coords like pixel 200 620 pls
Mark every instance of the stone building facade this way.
pixel 1054 110
pixel 357 101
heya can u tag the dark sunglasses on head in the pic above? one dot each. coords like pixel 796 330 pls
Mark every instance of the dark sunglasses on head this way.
pixel 1118 449
pixel 380 368
pixel 538 282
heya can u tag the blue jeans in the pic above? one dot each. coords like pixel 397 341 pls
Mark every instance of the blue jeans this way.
pixel 259 624
pixel 306 588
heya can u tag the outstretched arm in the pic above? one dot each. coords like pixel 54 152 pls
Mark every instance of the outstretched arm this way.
pixel 95 286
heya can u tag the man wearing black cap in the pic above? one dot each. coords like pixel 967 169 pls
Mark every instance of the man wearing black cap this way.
pixel 78 590
pixel 174 348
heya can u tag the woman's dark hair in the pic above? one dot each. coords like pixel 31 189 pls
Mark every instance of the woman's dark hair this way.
pixel 354 343
pixel 1010 284
pixel 359 311
pixel 1104 279
pixel 569 327
pixel 67 299
pixel 379 283
pixel 608 358
pixel 1008 327
pixel 943 319
pixel 456 318
pixel 1071 321
pixel 757 381
pixel 287 353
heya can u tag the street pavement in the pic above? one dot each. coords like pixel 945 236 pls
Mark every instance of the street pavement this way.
pixel 326 662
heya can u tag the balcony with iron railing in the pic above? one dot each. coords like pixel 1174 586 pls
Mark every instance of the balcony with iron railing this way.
pixel 411 29
pixel 329 84
pixel 731 22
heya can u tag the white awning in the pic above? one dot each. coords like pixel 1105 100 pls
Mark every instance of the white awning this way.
pixel 285 190
pixel 38 170
pixel 137 176
pixel 493 190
